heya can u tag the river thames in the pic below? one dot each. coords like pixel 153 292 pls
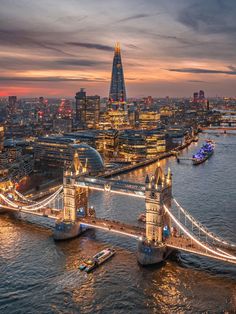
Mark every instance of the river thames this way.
pixel 39 275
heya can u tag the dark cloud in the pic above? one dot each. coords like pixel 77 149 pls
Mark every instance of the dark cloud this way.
pixel 19 63
pixel 81 62
pixel 134 17
pixel 27 39
pixel 132 46
pixel 71 19
pixel 197 81
pixel 209 17
pixel 202 71
pixel 50 79
pixel 91 46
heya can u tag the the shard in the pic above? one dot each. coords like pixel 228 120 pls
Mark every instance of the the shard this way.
pixel 117 90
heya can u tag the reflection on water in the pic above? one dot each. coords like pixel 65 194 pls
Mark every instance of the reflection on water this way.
pixel 41 276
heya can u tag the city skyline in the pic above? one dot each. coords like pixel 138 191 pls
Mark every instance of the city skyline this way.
pixel 168 48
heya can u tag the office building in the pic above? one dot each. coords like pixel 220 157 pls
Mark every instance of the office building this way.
pixel 195 97
pixel 80 108
pixel 87 110
pixel 201 95
pixel 140 144
pixel 55 151
pixel 92 111
pixel 148 119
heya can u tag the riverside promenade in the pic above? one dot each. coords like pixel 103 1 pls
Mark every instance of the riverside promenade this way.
pixel 146 162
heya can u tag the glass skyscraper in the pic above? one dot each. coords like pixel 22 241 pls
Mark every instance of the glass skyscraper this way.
pixel 117 90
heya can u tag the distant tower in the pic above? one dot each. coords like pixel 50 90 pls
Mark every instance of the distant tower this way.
pixel 117 90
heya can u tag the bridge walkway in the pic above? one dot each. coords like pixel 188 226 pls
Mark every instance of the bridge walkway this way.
pixel 114 226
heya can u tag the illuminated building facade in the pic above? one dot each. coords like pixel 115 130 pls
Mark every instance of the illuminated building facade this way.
pixel 116 119
pixel 148 119
pixel 117 93
pixel 92 111
pixel 140 144
pixel 104 141
pixel 54 151
pixel 87 110
pixel 15 162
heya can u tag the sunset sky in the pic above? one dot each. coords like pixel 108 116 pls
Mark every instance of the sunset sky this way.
pixel 169 47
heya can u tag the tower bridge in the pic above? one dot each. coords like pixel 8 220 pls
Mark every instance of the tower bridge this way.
pixel 168 225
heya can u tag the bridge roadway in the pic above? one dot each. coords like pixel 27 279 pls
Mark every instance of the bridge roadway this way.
pixel 185 244
pixel 175 242
pixel 114 226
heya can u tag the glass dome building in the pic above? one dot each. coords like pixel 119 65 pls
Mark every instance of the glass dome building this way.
pixel 89 157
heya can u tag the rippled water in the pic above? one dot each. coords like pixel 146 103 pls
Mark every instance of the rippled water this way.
pixel 38 275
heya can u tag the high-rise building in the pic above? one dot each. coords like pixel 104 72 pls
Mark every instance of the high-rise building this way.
pixel 201 95
pixel 80 107
pixel 87 109
pixel 1 137
pixel 11 108
pixel 195 97
pixel 92 111
pixel 64 110
pixel 117 90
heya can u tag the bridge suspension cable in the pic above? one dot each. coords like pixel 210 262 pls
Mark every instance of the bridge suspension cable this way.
pixel 45 201
pixel 224 255
pixel 23 197
pixel 201 227
pixel 35 206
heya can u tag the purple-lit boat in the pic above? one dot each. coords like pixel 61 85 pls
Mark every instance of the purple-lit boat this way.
pixel 205 152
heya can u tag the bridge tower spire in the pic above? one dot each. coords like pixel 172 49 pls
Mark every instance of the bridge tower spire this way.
pixel 158 192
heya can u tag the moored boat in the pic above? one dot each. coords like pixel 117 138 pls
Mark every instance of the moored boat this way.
pixel 205 152
pixel 97 260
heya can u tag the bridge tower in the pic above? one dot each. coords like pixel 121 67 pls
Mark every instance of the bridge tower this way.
pixel 158 193
pixel 75 202
pixel 75 198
